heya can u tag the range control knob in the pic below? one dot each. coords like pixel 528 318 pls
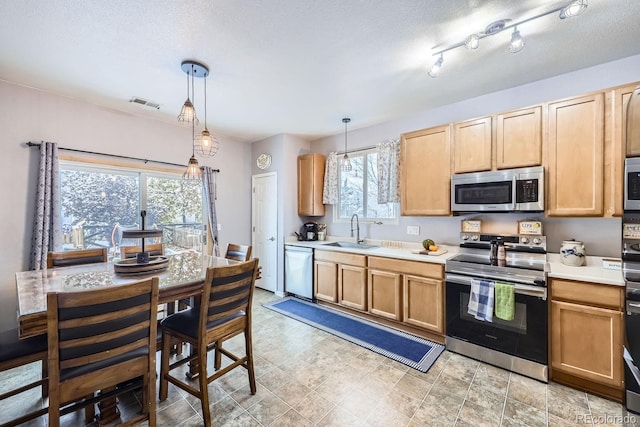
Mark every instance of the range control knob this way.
pixel 465 237
pixel 474 238
pixel 524 240
pixel 537 241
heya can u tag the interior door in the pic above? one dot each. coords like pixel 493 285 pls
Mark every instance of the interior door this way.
pixel 264 219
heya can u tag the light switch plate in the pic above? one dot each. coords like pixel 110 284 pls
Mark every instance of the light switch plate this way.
pixel 413 230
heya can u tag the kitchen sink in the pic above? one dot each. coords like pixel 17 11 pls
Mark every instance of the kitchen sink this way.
pixel 352 245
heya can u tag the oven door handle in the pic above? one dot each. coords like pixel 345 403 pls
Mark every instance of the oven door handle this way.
pixel 534 291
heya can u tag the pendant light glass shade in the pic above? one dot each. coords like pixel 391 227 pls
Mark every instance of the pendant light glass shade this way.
pixel 206 144
pixel 193 170
pixel 517 44
pixel 345 163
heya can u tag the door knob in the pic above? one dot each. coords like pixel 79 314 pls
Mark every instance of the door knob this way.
pixel 272 238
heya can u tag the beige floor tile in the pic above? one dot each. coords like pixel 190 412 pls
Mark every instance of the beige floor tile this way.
pixel 268 409
pixel 437 409
pixel 338 417
pixel 517 413
pixel 477 415
pixel 313 406
pixel 291 419
pixel 451 384
pixel 175 413
pixel 245 399
pixel 412 386
pixel 292 392
pixel 492 379
pixel 360 403
pixel 486 399
pixel 527 391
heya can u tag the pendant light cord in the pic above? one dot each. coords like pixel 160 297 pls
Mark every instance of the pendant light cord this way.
pixel 193 122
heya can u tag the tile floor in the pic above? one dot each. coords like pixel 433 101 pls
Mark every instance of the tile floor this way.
pixel 307 377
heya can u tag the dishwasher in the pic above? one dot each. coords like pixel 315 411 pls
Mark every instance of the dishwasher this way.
pixel 298 271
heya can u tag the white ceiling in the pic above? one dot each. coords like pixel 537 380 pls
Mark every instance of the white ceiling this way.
pixel 297 66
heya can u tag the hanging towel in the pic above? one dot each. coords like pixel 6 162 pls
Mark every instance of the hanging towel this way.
pixel 505 296
pixel 481 300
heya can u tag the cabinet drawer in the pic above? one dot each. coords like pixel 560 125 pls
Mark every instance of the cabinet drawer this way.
pixel 588 293
pixel 417 268
pixel 341 258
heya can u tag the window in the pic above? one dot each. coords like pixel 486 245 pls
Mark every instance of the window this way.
pixel 358 190
pixel 99 203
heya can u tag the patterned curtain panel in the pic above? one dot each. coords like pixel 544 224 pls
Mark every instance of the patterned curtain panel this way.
pixel 330 190
pixel 209 182
pixel 46 226
pixel 389 171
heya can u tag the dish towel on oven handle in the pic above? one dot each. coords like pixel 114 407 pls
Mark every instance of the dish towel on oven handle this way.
pixel 505 301
pixel 481 300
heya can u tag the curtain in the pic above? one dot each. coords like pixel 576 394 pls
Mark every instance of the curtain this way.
pixel 389 171
pixel 46 225
pixel 209 182
pixel 330 189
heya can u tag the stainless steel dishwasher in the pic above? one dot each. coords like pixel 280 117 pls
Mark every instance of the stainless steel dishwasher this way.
pixel 298 271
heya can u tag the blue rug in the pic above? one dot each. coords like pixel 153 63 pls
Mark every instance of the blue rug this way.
pixel 410 350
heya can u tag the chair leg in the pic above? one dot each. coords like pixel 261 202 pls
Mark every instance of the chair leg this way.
pixel 204 390
pixel 151 379
pixel 89 411
pixel 54 411
pixel 164 365
pixel 249 352
pixel 218 355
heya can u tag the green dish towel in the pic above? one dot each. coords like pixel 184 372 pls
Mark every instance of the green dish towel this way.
pixel 505 296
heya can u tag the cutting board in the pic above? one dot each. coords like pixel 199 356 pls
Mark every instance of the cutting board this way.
pixel 426 252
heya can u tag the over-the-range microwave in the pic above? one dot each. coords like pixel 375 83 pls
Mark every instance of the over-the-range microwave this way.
pixel 509 190
pixel 632 184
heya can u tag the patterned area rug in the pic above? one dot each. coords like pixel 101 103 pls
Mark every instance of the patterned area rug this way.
pixel 405 348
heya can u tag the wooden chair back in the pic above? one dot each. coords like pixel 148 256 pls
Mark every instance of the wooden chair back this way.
pixel 100 339
pixel 154 249
pixel 76 257
pixel 238 252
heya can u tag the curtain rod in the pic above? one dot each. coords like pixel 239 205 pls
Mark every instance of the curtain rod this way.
pixel 37 144
pixel 357 149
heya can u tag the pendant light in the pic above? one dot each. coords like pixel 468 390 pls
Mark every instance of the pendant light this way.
pixel 188 111
pixel 192 68
pixel 345 162
pixel 206 144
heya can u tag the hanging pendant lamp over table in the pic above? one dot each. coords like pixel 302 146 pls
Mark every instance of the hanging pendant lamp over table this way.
pixel 345 162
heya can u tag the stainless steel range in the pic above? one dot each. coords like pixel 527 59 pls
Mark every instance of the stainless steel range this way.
pixel 520 344
pixel 631 274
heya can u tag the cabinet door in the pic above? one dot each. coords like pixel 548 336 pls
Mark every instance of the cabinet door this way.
pixel 519 138
pixel 632 136
pixel 425 172
pixel 325 281
pixel 352 286
pixel 472 145
pixel 310 184
pixel 586 342
pixel 384 293
pixel 423 303
pixel 575 160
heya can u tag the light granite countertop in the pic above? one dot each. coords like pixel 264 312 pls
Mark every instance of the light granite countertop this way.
pixel 592 271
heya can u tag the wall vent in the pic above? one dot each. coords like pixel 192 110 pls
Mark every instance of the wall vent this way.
pixel 145 103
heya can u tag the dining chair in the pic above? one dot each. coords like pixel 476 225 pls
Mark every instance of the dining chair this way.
pixel 76 257
pixel 225 312
pixel 154 249
pixel 16 352
pixel 238 252
pixel 102 340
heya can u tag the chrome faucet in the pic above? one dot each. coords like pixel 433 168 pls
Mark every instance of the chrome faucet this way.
pixel 357 228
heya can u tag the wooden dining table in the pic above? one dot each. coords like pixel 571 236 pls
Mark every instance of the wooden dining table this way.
pixel 182 278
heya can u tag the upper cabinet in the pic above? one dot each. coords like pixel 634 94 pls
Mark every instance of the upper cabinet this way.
pixel 632 123
pixel 472 145
pixel 519 138
pixel 515 142
pixel 575 129
pixel 425 172
pixel 310 184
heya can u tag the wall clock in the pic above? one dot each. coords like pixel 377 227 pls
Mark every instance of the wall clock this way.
pixel 264 161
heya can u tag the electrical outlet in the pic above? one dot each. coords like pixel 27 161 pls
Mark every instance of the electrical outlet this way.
pixel 413 230
pixel 219 226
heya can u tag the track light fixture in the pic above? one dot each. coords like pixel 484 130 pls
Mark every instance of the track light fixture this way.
pixel 573 8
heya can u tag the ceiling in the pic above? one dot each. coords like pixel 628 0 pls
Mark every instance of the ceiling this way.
pixel 297 66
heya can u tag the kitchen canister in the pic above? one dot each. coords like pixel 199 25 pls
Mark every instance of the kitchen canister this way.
pixel 572 253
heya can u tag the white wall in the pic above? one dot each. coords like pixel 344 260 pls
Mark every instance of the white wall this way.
pixel 31 115
pixel 601 235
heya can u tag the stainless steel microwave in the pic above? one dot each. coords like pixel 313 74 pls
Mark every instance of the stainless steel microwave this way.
pixel 632 184
pixel 509 190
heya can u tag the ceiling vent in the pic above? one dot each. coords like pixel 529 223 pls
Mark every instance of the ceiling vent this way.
pixel 145 103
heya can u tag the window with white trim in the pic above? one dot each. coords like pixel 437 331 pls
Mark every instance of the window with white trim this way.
pixel 99 202
pixel 358 190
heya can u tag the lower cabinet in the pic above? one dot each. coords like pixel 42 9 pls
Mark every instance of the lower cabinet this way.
pixel 352 286
pixel 423 305
pixel 325 280
pixel 341 277
pixel 586 334
pixel 384 291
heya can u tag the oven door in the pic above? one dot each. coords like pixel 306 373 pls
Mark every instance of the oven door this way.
pixel 525 336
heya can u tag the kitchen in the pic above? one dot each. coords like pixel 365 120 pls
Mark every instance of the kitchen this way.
pixel 57 114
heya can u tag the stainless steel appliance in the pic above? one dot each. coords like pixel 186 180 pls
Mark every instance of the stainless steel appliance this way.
pixel 298 271
pixel 509 190
pixel 519 345
pixel 631 274
pixel 632 184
